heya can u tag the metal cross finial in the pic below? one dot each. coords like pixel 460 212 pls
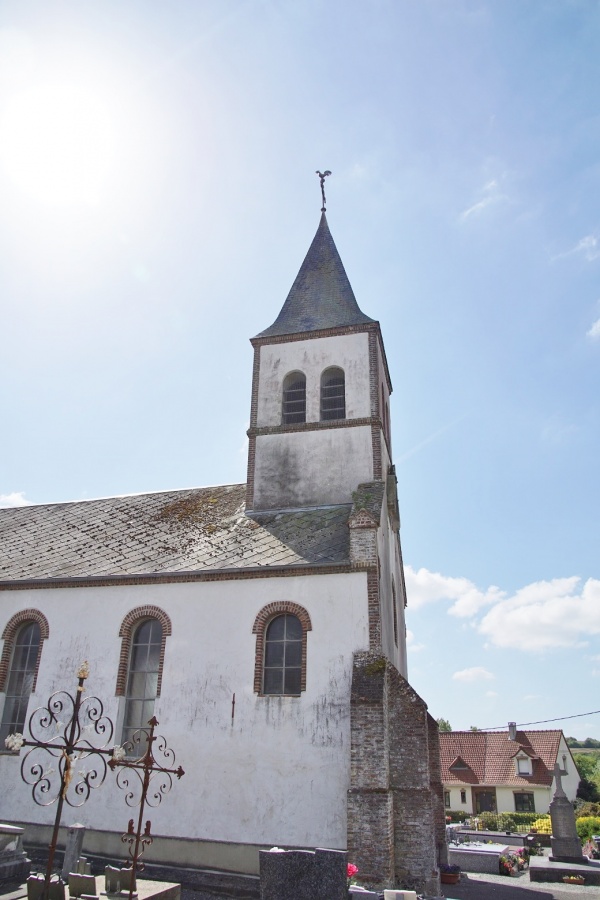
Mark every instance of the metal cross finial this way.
pixel 322 177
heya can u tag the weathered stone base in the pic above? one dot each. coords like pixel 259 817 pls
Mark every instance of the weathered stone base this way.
pixel 543 869
pixel 396 827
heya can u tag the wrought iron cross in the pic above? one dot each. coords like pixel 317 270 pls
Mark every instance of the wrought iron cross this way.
pixel 146 769
pixel 322 177
pixel 68 729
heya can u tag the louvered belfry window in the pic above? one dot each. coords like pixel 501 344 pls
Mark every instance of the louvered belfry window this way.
pixel 294 398
pixel 333 394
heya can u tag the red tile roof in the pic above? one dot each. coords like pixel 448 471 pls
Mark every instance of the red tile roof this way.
pixel 489 756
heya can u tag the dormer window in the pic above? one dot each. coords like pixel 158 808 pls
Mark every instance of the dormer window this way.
pixel 294 398
pixel 333 394
pixel 523 765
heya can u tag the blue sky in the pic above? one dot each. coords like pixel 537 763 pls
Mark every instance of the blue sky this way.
pixel 158 196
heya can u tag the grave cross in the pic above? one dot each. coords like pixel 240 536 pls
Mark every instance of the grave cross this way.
pixel 146 769
pixel 69 729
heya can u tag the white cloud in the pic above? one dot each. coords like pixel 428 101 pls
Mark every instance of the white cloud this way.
pixel 491 694
pixel 424 587
pixel 588 247
pixel 562 612
pixel 476 673
pixel 410 642
pixel 594 332
pixel 15 499
pixel 491 194
pixel 557 431
pixel 545 614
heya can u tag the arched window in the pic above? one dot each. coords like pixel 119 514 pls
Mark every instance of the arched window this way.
pixel 20 682
pixel 294 398
pixel 144 632
pixel 142 677
pixel 280 665
pixel 283 656
pixel 333 394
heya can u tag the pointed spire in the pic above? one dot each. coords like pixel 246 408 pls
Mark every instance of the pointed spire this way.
pixel 321 296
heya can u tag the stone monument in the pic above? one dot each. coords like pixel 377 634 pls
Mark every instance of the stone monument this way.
pixel 14 865
pixel 303 874
pixel 566 846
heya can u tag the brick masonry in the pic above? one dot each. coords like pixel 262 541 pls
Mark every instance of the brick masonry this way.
pixel 395 797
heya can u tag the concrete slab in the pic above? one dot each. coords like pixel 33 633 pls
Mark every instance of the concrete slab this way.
pixel 543 869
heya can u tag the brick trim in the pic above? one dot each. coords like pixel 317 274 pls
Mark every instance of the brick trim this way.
pixel 374 610
pixel 237 574
pixel 9 635
pixel 253 420
pixel 262 620
pixel 133 618
pixel 373 421
pixel 310 335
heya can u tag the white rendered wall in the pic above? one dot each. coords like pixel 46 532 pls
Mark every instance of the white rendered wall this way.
pixel 279 773
pixel 311 468
pixel 349 352
pixel 505 797
pixel 388 549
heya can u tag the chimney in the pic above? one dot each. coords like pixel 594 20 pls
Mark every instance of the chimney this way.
pixel 512 731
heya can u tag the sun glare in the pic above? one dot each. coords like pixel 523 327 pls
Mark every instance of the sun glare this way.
pixel 57 143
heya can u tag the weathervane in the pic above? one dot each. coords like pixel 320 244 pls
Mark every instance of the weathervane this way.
pixel 322 177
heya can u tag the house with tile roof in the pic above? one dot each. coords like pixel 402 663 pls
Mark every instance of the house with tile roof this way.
pixel 504 771
pixel 262 624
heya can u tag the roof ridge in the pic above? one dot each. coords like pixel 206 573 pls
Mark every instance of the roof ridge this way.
pixel 204 487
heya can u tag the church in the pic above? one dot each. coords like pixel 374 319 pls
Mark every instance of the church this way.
pixel 261 623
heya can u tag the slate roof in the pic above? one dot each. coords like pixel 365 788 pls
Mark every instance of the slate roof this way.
pixel 489 757
pixel 199 529
pixel 321 296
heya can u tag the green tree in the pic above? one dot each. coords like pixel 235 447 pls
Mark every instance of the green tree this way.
pixel 474 728
pixel 587 765
pixel 444 725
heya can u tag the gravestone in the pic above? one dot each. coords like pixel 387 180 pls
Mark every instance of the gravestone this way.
pixel 117 880
pixel 14 865
pixel 565 843
pixel 81 884
pixel 303 875
pixel 75 835
pixel 35 887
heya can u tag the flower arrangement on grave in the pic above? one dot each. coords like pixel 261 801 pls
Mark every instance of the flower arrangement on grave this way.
pixel 573 879
pixel 351 871
pixel 508 864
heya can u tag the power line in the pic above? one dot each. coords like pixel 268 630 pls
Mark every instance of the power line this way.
pixel 543 721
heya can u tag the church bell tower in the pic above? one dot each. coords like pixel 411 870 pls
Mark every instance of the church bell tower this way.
pixel 319 421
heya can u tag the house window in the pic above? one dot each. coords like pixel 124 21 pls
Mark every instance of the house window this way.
pixel 523 766
pixel 333 394
pixel 524 803
pixel 294 398
pixel 142 677
pixel 447 799
pixel 19 685
pixel 463 796
pixel 281 637
pixel 23 637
